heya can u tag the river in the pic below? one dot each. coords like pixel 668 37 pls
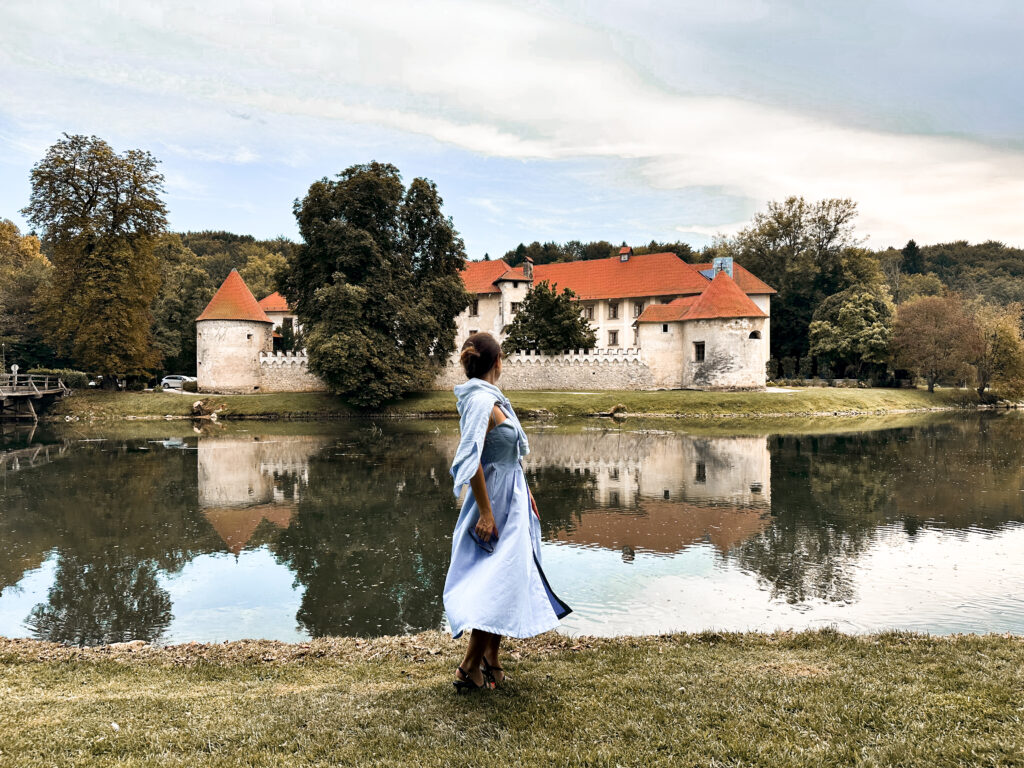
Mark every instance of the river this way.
pixel 169 533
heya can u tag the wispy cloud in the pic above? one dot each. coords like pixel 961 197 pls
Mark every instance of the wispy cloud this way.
pixel 249 82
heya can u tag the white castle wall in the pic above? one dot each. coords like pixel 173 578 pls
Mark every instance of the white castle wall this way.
pixel 288 372
pixel 227 353
pixel 597 369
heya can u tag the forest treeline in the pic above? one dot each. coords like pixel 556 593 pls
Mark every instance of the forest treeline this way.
pixel 106 288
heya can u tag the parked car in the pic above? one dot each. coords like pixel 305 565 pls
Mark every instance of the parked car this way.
pixel 175 381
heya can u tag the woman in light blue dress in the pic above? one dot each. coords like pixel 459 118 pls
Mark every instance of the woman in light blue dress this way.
pixel 495 585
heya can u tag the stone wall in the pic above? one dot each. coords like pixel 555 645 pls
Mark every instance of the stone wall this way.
pixel 583 371
pixel 288 372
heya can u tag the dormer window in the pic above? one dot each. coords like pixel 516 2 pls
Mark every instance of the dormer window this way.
pixel 625 252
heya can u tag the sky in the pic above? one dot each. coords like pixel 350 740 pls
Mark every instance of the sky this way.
pixel 540 120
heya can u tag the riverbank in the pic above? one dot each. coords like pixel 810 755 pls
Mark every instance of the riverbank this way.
pixel 685 404
pixel 778 700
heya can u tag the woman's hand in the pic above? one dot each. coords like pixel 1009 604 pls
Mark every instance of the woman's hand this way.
pixel 533 505
pixel 485 527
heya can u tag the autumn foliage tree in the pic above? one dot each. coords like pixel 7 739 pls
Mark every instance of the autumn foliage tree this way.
pixel 99 213
pixel 549 321
pixel 996 350
pixel 376 283
pixel 933 336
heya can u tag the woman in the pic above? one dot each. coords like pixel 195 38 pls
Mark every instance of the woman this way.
pixel 495 584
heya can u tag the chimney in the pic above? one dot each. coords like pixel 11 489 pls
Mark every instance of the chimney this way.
pixel 528 268
pixel 722 264
pixel 625 252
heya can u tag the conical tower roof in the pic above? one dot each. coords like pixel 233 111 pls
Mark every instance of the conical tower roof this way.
pixel 234 301
pixel 723 298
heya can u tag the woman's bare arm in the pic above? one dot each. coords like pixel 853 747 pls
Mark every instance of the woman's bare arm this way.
pixel 485 527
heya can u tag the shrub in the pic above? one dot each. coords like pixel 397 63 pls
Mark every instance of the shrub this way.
pixel 190 386
pixel 772 368
pixel 806 366
pixel 789 367
pixel 71 378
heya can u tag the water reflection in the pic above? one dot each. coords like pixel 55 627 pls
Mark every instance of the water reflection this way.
pixel 345 529
pixel 247 481
pixel 660 492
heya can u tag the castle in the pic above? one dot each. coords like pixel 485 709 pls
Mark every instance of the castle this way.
pixel 660 324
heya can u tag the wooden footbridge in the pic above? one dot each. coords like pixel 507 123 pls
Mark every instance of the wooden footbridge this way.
pixel 25 396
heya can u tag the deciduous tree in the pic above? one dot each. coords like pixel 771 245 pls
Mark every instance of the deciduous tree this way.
pixel 549 321
pixel 24 276
pixel 798 248
pixel 853 327
pixel 376 282
pixel 933 336
pixel 99 213
pixel 997 352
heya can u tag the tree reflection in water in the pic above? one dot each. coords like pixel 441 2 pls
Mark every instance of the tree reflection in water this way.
pixel 370 541
pixel 835 495
pixel 106 601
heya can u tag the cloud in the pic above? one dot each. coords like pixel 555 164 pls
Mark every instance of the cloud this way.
pixel 493 79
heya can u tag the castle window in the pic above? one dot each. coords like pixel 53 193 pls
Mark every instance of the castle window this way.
pixel 638 308
pixel 613 310
pixel 248 335
pixel 473 331
pixel 613 338
pixel 474 307
pixel 754 335
pixel 515 306
pixel 698 351
pixel 664 327
pixel 701 474
pixel 588 312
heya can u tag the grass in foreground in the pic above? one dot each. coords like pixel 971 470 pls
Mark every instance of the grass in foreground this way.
pixel 677 403
pixel 811 699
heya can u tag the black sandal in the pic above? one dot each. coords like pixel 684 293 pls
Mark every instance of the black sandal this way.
pixel 489 670
pixel 466 683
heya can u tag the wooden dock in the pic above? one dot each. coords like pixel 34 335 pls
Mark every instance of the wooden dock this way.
pixel 24 396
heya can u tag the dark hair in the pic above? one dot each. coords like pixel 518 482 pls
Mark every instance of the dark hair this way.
pixel 479 355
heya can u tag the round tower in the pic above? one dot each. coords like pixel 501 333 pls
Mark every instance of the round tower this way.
pixel 230 335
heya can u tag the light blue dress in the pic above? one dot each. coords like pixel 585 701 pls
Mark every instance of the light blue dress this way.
pixel 504 591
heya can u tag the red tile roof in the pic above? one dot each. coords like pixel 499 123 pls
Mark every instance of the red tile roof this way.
pixel 515 273
pixel 234 301
pixel 667 313
pixel 722 298
pixel 744 279
pixel 479 276
pixel 275 302
pixel 653 274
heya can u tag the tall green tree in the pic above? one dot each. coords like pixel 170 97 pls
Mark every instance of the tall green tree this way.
pixel 798 248
pixel 853 328
pixel 549 321
pixel 913 259
pixel 99 213
pixel 376 282
pixel 185 289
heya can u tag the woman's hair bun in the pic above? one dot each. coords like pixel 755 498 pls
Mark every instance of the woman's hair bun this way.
pixel 480 352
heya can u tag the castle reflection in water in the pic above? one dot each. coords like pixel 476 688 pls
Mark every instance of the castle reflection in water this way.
pixel 244 481
pixel 642 491
pixel 661 492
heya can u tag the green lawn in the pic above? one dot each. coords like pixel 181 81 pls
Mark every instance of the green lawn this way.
pixel 816 699
pixel 679 403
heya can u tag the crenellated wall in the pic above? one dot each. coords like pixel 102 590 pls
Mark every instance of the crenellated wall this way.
pixel 597 369
pixel 288 372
